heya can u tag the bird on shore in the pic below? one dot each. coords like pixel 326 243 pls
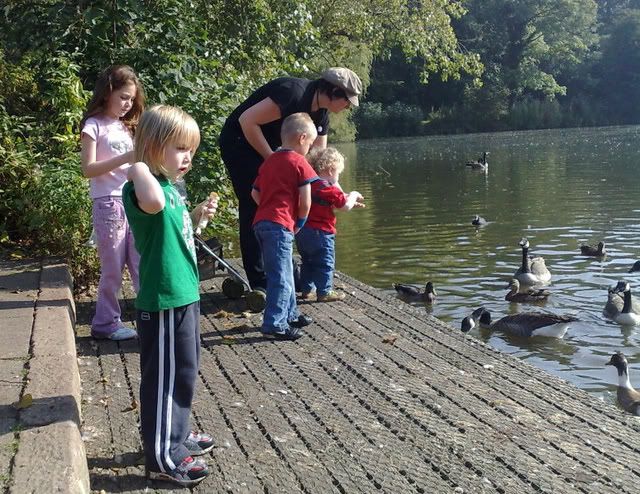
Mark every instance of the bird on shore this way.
pixel 588 250
pixel 478 221
pixel 533 270
pixel 623 309
pixel 412 292
pixel 628 398
pixel 480 164
pixel 635 267
pixel 524 325
pixel 528 295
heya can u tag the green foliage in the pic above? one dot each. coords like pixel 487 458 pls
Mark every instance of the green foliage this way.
pixel 619 67
pixel 396 120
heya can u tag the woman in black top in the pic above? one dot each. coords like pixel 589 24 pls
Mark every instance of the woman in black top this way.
pixel 252 132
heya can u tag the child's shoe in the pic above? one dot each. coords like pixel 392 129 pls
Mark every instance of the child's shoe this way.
pixel 331 296
pixel 120 334
pixel 189 473
pixel 199 443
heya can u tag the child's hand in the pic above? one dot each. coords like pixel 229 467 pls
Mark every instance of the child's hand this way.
pixel 205 211
pixel 359 200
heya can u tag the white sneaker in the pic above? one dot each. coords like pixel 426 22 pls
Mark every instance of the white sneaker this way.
pixel 123 333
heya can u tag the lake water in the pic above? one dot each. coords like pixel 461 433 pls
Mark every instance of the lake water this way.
pixel 558 188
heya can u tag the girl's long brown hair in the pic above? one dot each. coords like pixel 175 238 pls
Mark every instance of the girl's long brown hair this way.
pixel 111 79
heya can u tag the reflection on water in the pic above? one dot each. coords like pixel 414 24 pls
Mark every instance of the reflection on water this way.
pixel 558 188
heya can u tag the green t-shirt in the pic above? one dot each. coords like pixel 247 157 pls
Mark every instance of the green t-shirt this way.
pixel 168 269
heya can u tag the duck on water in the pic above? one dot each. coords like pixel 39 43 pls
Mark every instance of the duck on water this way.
pixel 524 325
pixel 412 292
pixel 529 294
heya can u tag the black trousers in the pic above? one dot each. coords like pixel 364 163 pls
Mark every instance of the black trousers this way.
pixel 169 357
pixel 242 163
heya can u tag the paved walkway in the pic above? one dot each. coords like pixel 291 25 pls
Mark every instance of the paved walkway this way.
pixel 40 445
pixel 378 397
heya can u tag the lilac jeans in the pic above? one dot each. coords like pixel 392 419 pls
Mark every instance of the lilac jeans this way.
pixel 116 249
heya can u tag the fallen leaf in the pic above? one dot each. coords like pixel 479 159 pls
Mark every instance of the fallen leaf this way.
pixel 25 402
pixel 132 407
pixel 103 380
pixel 390 339
pixel 221 313
pixel 229 340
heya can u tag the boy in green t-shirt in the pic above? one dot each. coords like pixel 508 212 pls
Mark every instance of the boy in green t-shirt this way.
pixel 168 307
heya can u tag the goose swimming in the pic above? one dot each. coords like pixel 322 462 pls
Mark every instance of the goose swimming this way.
pixel 525 324
pixel 623 313
pixel 628 398
pixel 528 295
pixel 478 221
pixel 588 250
pixel 480 164
pixel 412 292
pixel 532 270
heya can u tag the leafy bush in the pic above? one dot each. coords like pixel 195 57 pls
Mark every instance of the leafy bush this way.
pixel 398 119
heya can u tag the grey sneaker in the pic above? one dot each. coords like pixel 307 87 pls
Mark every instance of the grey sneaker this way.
pixel 189 473
pixel 199 443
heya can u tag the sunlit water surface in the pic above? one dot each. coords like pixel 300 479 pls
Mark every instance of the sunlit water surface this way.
pixel 559 188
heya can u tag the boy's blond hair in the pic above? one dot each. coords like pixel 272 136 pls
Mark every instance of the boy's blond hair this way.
pixel 297 124
pixel 159 127
pixel 324 160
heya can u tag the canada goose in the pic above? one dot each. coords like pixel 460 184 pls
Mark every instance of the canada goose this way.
pixel 588 250
pixel 481 163
pixel 628 398
pixel 470 322
pixel 525 324
pixel 533 270
pixel 412 292
pixel 478 221
pixel 627 315
pixel 635 267
pixel 529 295
pixel 615 301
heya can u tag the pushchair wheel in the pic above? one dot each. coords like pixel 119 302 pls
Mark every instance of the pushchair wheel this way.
pixel 256 300
pixel 232 289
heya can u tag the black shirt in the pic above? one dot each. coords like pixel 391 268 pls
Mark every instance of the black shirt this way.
pixel 292 95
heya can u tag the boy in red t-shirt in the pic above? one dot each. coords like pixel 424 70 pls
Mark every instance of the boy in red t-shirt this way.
pixel 283 194
pixel 316 241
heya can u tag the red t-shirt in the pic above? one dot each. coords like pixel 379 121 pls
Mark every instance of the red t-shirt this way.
pixel 278 180
pixel 324 197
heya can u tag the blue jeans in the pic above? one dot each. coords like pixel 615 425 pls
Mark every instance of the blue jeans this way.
pixel 276 243
pixel 317 250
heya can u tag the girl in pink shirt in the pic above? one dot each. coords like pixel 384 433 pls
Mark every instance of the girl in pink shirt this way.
pixel 107 151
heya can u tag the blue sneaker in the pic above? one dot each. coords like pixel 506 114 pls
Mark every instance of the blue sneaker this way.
pixel 189 473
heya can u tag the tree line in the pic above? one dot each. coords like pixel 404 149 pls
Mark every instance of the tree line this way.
pixel 546 64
